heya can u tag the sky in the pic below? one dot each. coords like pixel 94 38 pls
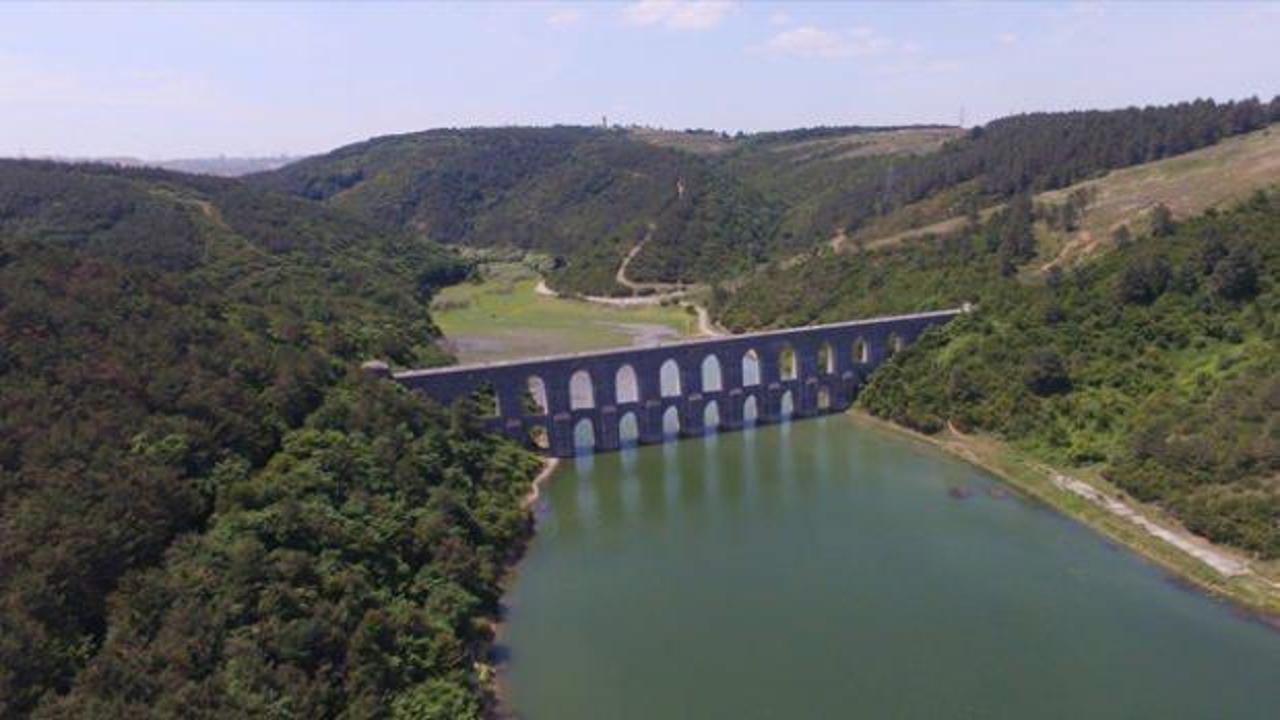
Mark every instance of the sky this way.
pixel 168 80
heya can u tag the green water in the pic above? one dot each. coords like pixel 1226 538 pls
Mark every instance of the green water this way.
pixel 825 570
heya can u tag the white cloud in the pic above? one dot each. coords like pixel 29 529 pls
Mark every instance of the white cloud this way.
pixel 811 42
pixel 780 18
pixel 677 14
pixel 566 16
pixel 1007 38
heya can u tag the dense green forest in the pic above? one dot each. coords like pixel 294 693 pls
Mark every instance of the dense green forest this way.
pixel 587 195
pixel 1158 363
pixel 205 510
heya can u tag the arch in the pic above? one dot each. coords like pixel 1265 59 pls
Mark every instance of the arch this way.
pixel 895 344
pixel 750 368
pixel 786 405
pixel 669 378
pixel 538 438
pixel 826 358
pixel 626 385
pixel 861 351
pixel 824 398
pixel 582 392
pixel 712 377
pixel 485 398
pixel 535 396
pixel 671 422
pixel 787 363
pixel 584 435
pixel 711 416
pixel 750 411
pixel 628 430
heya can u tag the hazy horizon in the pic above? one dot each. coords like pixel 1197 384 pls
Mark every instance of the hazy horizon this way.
pixel 248 81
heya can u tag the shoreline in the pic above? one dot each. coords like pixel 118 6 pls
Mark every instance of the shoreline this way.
pixel 549 465
pixel 490 674
pixel 1220 572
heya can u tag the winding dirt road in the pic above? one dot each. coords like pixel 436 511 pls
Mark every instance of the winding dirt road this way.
pixel 659 293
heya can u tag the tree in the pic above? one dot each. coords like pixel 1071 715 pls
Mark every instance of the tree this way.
pixel 1162 224
pixel 1236 277
pixel 1045 374
pixel 1144 281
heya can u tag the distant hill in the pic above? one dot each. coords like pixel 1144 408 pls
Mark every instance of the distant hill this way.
pixel 585 194
pixel 709 206
pixel 221 166
pixel 224 166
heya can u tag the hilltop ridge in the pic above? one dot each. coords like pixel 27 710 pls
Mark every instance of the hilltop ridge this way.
pixel 722 205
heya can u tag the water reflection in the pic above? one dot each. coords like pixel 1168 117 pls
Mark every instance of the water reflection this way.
pixel 711 417
pixel 628 430
pixel 671 423
pixel 584 437
pixel 800 570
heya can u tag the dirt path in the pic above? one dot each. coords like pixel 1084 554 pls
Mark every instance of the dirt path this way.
pixel 1218 569
pixel 621 275
pixel 706 326
pixel 669 289
pixel 549 466
pixel 1225 562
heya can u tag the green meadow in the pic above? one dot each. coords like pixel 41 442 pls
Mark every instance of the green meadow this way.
pixel 501 316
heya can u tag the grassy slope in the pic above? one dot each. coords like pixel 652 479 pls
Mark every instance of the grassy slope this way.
pixel 503 317
pixel 1215 176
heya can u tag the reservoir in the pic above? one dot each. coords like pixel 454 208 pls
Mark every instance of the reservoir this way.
pixel 825 569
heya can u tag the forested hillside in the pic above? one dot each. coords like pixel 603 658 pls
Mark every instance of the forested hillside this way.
pixel 1158 363
pixel 721 205
pixel 203 508
pixel 586 195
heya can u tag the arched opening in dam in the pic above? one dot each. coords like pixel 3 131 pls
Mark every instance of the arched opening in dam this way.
pixel 669 379
pixel 671 423
pixel 711 379
pixel 750 411
pixel 787 366
pixel 628 430
pixel 535 396
pixel 750 368
pixel 626 385
pixel 584 436
pixel 582 392
pixel 711 417
pixel 861 351
pixel 826 359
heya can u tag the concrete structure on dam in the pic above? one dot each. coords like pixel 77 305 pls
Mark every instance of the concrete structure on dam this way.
pixel 599 401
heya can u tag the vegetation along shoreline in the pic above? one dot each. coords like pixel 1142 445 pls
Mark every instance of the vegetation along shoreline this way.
pixel 1251 592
